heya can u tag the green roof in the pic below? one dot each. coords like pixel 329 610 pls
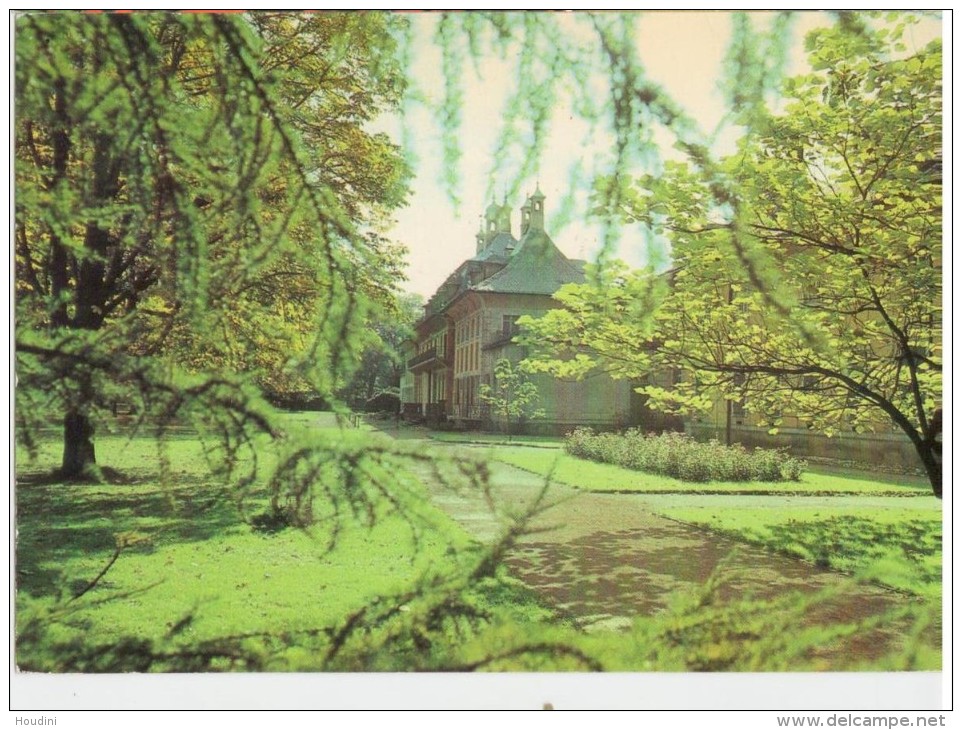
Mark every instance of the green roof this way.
pixel 498 249
pixel 537 266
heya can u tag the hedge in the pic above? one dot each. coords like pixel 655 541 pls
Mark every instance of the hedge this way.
pixel 680 456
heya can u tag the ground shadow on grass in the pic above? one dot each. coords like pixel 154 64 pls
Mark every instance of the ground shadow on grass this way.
pixel 102 475
pixel 608 578
pixel 827 542
pixel 270 523
pixel 58 523
pixel 637 572
pixel 604 560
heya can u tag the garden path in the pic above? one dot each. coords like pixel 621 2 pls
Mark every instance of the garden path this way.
pixel 604 559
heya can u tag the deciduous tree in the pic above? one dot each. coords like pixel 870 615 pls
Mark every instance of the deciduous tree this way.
pixel 513 398
pixel 380 364
pixel 814 289
pixel 198 201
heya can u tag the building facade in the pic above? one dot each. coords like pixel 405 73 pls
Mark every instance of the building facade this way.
pixel 471 321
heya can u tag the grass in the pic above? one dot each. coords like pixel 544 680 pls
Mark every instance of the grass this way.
pixel 323 420
pixel 888 532
pixel 892 541
pixel 192 554
pixel 193 565
pixel 500 439
pixel 598 477
pixel 237 578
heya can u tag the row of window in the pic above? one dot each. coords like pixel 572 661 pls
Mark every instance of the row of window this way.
pixel 467 329
pixel 467 358
pixel 467 341
pixel 470 328
pixel 430 384
pixel 467 347
pixel 466 390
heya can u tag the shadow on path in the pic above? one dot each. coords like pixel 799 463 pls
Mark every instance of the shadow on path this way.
pixel 607 559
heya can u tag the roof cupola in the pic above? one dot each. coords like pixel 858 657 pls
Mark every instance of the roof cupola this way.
pixel 504 216
pixel 480 237
pixel 536 201
pixel 526 216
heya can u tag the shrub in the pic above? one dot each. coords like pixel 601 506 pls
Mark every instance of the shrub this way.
pixel 680 456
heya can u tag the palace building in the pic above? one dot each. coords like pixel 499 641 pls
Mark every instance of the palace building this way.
pixel 470 323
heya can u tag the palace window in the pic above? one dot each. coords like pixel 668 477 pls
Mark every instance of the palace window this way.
pixel 467 344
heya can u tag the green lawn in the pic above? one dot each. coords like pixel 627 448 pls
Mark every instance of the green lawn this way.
pixel 190 552
pixel 888 532
pixel 600 477
pixel 477 437
pixel 196 567
pixel 893 541
pixel 238 579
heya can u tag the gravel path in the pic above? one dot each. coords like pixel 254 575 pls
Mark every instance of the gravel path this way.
pixel 604 559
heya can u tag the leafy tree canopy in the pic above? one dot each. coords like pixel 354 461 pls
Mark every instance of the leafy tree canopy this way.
pixel 513 398
pixel 805 279
pixel 201 210
pixel 198 205
pixel 381 363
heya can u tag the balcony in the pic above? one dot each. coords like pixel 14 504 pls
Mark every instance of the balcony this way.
pixel 427 361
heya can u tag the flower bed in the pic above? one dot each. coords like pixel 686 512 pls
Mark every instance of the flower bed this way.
pixel 680 456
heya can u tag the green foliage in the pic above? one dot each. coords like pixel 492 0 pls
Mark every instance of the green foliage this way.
pixel 810 286
pixel 198 209
pixel 513 397
pixel 380 364
pixel 680 456
pixel 890 544
pixel 755 63
pixel 602 477
pixel 357 476
pixel 586 66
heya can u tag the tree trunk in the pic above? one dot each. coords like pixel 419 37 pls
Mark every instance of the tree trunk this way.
pixel 928 445
pixel 931 456
pixel 729 408
pixel 930 452
pixel 79 460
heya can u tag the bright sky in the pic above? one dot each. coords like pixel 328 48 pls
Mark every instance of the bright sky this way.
pixel 681 50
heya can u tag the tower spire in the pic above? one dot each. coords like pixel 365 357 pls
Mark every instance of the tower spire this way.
pixel 479 236
pixel 535 209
